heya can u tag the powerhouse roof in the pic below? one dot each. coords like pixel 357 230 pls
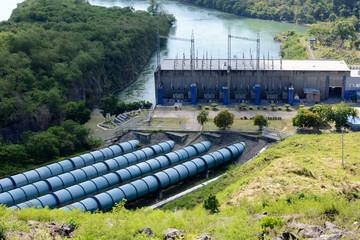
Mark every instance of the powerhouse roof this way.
pixel 265 64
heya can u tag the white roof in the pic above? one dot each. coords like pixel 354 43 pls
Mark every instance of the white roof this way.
pixel 248 64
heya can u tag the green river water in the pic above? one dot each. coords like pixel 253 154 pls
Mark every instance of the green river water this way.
pixel 210 29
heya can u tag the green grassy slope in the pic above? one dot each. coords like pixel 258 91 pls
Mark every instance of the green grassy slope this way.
pixel 301 176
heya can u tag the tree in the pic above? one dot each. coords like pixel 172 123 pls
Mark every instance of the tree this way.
pixel 109 105
pixel 224 119
pixel 322 34
pixel 305 119
pixel 78 112
pixel 260 120
pixel 340 113
pixel 54 99
pixel 345 31
pixel 202 117
pixel 212 204
pixel 12 153
pixel 42 146
pixel 154 7
pixel 323 112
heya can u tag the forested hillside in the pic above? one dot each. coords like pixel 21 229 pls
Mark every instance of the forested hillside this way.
pixel 56 51
pixel 299 11
pixel 334 40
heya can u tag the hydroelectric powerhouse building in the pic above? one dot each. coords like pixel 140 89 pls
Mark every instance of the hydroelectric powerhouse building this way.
pixel 239 80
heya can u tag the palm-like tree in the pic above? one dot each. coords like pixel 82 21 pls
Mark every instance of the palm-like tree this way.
pixel 202 117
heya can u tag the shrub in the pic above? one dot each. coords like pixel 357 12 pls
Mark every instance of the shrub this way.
pixel 207 107
pixel 212 204
pixel 273 106
pixel 305 119
pixel 199 106
pixel 73 222
pixel 245 117
pixel 258 107
pixel 279 108
pixel 301 106
pixel 287 106
pixel 270 222
pixel 264 108
pixel 251 107
pixel 214 105
pixel 243 105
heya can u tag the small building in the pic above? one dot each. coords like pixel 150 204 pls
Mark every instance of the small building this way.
pixel 312 41
pixel 352 86
pixel 312 95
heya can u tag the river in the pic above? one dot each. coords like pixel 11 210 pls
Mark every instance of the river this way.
pixel 6 8
pixel 210 28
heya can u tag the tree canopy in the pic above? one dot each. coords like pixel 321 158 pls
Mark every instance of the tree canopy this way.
pixel 202 117
pixel 340 113
pixel 224 119
pixel 305 119
pixel 299 11
pixel 112 106
pixel 78 112
pixel 53 52
pixel 39 147
pixel 260 120
pixel 320 115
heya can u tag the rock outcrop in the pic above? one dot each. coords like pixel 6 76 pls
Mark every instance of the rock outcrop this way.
pixel 173 234
pixel 314 232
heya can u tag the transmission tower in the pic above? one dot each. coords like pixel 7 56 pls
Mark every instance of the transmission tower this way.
pixel 257 40
pixel 192 48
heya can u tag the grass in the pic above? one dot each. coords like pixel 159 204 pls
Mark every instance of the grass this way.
pixel 95 119
pixel 248 125
pixel 305 163
pixel 301 176
pixel 167 124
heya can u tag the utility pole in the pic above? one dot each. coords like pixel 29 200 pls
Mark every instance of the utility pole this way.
pixel 342 144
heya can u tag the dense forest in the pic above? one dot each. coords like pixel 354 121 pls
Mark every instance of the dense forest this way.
pixel 299 11
pixel 53 52
pixel 36 148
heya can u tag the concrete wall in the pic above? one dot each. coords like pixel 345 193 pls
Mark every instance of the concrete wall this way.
pixel 352 83
pixel 238 80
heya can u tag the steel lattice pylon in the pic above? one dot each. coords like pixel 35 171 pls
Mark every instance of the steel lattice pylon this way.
pixel 192 48
pixel 257 40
